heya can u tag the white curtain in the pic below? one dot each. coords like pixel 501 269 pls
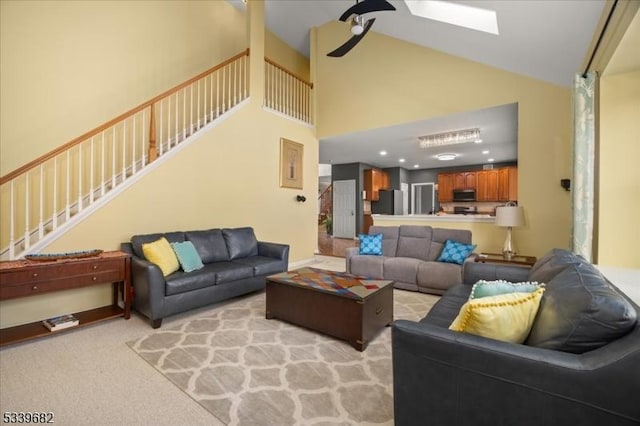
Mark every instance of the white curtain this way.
pixel 584 108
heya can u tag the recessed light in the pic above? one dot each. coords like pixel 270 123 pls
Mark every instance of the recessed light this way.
pixel 446 157
pixel 415 166
pixel 383 152
pixel 485 151
pixel 491 160
pixel 402 160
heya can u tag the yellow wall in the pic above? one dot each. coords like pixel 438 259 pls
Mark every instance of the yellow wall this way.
pixel 279 52
pixel 227 178
pixel 66 67
pixel 385 81
pixel 619 193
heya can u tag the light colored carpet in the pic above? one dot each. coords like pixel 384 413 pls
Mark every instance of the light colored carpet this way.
pixel 247 370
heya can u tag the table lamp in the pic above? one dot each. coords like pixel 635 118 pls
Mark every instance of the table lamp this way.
pixel 509 216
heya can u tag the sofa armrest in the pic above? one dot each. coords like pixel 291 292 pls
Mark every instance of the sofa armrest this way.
pixel 474 271
pixel 148 285
pixel 348 254
pixel 453 378
pixel 276 251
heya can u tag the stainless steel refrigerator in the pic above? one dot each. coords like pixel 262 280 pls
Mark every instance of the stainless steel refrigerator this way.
pixel 389 202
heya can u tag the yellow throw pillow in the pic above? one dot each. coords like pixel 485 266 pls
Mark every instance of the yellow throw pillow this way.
pixel 161 253
pixel 507 317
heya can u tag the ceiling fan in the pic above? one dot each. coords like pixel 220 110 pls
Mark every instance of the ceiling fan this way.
pixel 359 27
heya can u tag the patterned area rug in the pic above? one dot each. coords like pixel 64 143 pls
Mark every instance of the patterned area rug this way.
pixel 247 370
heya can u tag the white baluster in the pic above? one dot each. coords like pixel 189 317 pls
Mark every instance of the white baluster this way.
pixel 235 81
pixel 133 146
pixel 41 213
pixel 190 109
pixel 12 223
pixel 91 171
pixel 124 151
pixel 144 137
pixel 102 165
pixel 27 239
pixel 162 123
pixel 184 114
pixel 54 214
pixel 80 178
pixel 113 157
pixel 175 139
pixel 217 94
pixel 223 71
pixel 205 100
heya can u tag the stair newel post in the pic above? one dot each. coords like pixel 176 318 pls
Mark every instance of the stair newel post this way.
pixel 153 149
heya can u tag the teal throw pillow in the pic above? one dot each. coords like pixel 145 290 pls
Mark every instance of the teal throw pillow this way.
pixel 187 256
pixel 455 252
pixel 371 244
pixel 484 288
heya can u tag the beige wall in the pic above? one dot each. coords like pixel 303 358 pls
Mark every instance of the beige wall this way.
pixel 66 67
pixel 281 53
pixel 397 82
pixel 227 178
pixel 619 192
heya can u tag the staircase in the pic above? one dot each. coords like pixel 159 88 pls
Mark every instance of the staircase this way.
pixel 43 199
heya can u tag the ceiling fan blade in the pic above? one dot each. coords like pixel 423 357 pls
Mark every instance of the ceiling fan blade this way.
pixel 367 6
pixel 349 44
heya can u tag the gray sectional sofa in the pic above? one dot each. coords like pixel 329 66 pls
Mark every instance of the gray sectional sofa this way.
pixel 409 258
pixel 235 263
pixel 580 363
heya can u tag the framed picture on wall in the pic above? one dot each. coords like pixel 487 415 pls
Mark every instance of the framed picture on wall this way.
pixel 291 154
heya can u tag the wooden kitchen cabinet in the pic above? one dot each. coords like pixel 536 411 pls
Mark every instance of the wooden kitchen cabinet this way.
pixel 508 184
pixel 487 185
pixel 374 181
pixel 445 187
pixel 464 180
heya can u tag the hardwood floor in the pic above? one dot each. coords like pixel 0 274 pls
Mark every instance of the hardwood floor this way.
pixel 330 246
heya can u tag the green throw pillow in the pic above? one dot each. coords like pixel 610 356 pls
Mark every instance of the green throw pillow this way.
pixel 493 288
pixel 187 256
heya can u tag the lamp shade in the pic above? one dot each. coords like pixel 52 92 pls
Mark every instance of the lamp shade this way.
pixel 509 216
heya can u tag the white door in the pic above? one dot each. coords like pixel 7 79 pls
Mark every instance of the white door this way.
pixel 344 208
pixel 404 187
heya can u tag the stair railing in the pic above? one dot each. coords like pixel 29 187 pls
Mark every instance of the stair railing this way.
pixel 287 93
pixel 42 196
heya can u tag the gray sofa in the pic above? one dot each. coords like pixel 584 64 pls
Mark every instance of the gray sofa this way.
pixel 409 254
pixel 235 263
pixel 579 365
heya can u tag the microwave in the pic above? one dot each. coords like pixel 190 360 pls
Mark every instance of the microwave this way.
pixel 464 195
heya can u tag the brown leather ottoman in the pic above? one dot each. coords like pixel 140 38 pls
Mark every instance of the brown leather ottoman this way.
pixel 349 307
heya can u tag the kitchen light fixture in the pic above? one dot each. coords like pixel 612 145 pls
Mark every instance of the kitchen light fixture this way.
pixel 446 157
pixel 509 216
pixel 383 152
pixel 485 151
pixel 450 138
pixel 402 160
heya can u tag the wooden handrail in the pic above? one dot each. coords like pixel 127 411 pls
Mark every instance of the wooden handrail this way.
pixel 327 189
pixel 286 71
pixel 32 164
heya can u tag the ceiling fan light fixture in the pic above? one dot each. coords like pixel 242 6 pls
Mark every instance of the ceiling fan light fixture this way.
pixel 357 25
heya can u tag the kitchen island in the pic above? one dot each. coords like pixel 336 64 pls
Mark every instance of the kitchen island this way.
pixel 487 236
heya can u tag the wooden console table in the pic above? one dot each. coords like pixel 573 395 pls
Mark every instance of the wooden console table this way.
pixel 23 278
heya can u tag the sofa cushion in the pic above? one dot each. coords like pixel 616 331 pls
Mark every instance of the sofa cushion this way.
pixel 187 256
pixel 484 288
pixel 138 240
pixel 230 271
pixel 241 242
pixel 403 269
pixel 441 235
pixel 447 308
pixel 455 252
pixel 414 241
pixel 551 264
pixel 370 244
pixel 506 317
pixel 181 282
pixel 160 253
pixel 368 266
pixel 389 238
pixel 580 312
pixel 262 265
pixel 210 245
pixel 435 251
pixel 439 275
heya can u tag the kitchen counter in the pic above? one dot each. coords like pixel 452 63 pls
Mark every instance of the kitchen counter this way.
pixel 447 217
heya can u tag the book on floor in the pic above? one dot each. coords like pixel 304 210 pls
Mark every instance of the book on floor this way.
pixel 61 322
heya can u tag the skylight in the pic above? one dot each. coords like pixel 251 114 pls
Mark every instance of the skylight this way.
pixel 455 14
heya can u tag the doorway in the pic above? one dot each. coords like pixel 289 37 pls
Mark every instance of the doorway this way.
pixel 423 197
